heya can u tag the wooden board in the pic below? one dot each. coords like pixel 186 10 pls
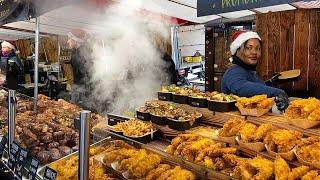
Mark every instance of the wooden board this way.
pixel 314 56
pixel 286 44
pixel 218 53
pixel 209 59
pixel 301 48
pixel 262 68
pixel 273 43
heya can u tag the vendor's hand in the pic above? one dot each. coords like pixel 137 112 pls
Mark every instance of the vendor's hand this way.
pixel 282 101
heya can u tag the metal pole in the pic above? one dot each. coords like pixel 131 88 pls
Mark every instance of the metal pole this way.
pixel 84 145
pixel 36 60
pixel 11 116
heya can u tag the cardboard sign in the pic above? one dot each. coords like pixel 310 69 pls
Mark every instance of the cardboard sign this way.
pixel 21 162
pixel 13 155
pixel 33 168
pixel 211 7
pixel 49 174
pixel 3 143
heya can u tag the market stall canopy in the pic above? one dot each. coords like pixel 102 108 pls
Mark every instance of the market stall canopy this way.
pixel 238 8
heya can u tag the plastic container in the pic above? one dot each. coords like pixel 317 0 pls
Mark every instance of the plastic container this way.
pixel 144 116
pixel 198 102
pixel 221 106
pixel 177 98
pixel 160 120
pixel 182 125
pixel 165 96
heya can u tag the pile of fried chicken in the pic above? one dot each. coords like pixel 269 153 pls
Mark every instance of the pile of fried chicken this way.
pixel 141 163
pixel 255 102
pixel 260 169
pixel 309 149
pixel 248 132
pixel 203 151
pixel 304 109
pixel 282 140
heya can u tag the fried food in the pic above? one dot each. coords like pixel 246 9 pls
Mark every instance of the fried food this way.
pixel 304 109
pixel 298 172
pixel 281 169
pixel 177 174
pixel 247 132
pixel 309 149
pixel 231 127
pixel 215 96
pixel 283 140
pixel 155 173
pixel 134 128
pixel 311 175
pixel 263 166
pixel 261 132
pixel 258 101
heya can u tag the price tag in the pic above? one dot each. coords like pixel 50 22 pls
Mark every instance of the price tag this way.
pixel 33 168
pixel 14 152
pixel 21 162
pixel 3 143
pixel 49 174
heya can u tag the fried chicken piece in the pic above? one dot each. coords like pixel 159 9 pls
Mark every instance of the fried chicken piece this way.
pixel 206 151
pixel 281 168
pixel 231 127
pixel 221 151
pixel 298 172
pixel 311 175
pixel 285 139
pixel 266 104
pixel 155 173
pixel 261 132
pixel 192 150
pixel 314 115
pixel 233 160
pixel 177 174
pixel 208 162
pixel 263 166
pixel 247 132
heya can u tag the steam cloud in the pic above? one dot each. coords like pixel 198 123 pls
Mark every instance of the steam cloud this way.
pixel 127 67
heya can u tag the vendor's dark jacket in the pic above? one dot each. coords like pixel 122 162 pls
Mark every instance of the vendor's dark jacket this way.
pixel 243 81
pixel 80 61
pixel 17 70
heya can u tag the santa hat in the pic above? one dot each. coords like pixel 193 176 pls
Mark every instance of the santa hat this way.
pixel 78 35
pixel 9 44
pixel 239 37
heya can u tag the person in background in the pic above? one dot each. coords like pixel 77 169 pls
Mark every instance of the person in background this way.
pixel 81 63
pixel 241 78
pixel 11 66
pixel 170 68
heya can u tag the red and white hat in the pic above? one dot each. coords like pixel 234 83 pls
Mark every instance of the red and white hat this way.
pixel 8 44
pixel 239 37
pixel 78 35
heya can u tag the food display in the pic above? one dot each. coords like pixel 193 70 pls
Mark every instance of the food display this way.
pixel 140 163
pixel 133 128
pixel 282 141
pixel 68 168
pixel 221 102
pixel 230 130
pixel 221 97
pixel 308 151
pixel 204 131
pixel 169 89
pixel 304 113
pixel 255 106
pixel 203 151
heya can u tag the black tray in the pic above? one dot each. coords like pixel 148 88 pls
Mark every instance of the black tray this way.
pixel 160 120
pixel 113 119
pixel 165 96
pixel 198 102
pixel 181 125
pixel 144 116
pixel 221 106
pixel 177 98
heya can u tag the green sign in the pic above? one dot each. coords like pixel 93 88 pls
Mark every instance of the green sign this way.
pixel 211 7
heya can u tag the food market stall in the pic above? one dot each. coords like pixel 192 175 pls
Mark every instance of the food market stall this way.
pixel 184 134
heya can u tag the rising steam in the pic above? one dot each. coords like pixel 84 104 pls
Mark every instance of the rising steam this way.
pixel 127 68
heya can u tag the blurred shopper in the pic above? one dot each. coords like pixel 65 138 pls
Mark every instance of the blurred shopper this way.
pixel 12 70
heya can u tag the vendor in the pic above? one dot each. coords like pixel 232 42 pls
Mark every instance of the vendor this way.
pixel 241 78
pixel 12 71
